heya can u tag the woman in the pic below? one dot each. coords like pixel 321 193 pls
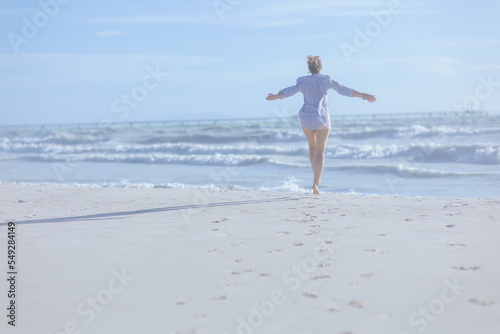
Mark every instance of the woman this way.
pixel 314 114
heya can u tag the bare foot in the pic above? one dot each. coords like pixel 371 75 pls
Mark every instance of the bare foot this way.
pixel 315 189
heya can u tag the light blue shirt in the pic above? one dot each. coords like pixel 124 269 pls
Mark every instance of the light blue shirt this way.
pixel 314 113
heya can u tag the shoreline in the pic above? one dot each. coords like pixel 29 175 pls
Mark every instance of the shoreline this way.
pixel 130 260
pixel 145 185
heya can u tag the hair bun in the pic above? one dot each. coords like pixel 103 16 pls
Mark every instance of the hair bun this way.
pixel 314 64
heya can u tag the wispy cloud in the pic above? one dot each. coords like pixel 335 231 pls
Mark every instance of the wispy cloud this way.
pixel 470 42
pixel 439 65
pixel 303 38
pixel 16 11
pixel 41 60
pixel 288 13
pixel 255 14
pixel 153 19
pixel 487 67
pixel 109 33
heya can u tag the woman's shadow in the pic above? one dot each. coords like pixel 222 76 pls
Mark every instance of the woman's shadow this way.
pixel 121 214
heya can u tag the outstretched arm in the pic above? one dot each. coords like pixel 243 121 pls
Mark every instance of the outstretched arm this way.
pixel 278 96
pixel 286 92
pixel 364 96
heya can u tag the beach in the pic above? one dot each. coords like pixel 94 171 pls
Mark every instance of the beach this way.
pixel 186 261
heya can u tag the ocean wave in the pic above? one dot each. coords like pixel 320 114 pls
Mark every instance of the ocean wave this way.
pixel 413 131
pixel 157 158
pixel 229 137
pixel 484 153
pixel 419 141
pixel 406 171
pixel 288 185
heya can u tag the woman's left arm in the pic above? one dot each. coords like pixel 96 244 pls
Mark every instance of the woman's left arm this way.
pixel 364 96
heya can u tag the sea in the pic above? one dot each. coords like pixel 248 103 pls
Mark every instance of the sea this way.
pixel 454 155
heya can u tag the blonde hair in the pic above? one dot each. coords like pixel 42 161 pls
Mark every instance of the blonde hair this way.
pixel 314 64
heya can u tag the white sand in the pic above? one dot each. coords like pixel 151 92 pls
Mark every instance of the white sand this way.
pixel 249 262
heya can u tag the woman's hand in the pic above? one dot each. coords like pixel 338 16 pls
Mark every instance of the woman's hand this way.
pixel 370 98
pixel 271 97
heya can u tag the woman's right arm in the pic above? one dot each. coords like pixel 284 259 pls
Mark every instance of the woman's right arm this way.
pixel 287 92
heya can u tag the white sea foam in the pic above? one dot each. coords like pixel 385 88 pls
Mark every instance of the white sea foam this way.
pixel 424 149
pixel 241 154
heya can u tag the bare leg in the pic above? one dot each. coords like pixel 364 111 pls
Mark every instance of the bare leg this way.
pixel 319 162
pixel 311 139
pixel 317 144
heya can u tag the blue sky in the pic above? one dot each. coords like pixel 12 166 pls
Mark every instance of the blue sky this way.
pixel 87 61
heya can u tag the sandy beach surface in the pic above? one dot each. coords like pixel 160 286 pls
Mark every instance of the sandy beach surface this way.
pixel 122 260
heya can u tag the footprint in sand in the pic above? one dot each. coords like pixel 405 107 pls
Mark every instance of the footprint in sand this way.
pixel 221 220
pixel 310 294
pixel 238 243
pixel 367 275
pixel 481 301
pixel 358 304
pixel 320 277
pixel 380 251
pixel 457 244
pixel 466 268
pixel 223 297
pixel 333 306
